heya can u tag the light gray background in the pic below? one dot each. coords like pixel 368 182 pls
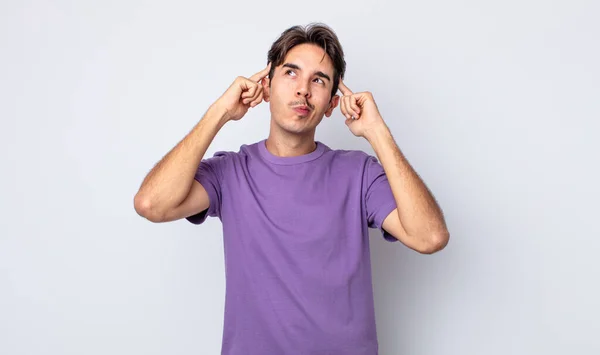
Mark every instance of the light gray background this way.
pixel 496 104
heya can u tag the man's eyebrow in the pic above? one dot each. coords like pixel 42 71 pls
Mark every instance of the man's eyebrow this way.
pixel 291 65
pixel 319 73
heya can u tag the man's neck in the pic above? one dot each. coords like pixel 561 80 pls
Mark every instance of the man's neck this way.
pixel 290 145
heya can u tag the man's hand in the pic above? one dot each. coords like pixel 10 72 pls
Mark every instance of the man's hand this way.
pixel 361 112
pixel 243 94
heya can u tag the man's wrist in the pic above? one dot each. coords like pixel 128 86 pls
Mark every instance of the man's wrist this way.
pixel 218 114
pixel 377 134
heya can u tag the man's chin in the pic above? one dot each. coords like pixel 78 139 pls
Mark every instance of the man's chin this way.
pixel 294 126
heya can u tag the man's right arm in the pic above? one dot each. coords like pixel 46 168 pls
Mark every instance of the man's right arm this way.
pixel 169 191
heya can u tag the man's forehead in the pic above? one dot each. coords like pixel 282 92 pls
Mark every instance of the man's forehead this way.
pixel 310 57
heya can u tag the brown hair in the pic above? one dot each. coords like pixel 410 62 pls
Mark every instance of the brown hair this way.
pixel 314 33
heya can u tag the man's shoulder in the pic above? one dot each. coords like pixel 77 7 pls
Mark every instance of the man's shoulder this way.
pixel 349 156
pixel 243 151
pixel 349 153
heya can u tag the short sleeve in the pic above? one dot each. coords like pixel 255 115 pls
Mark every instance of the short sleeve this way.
pixel 210 176
pixel 379 199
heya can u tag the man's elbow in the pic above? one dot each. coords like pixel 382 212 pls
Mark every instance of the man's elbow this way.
pixel 144 208
pixel 434 243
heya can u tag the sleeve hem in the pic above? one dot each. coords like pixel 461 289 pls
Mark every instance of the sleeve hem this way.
pixel 200 217
pixel 381 215
pixel 383 212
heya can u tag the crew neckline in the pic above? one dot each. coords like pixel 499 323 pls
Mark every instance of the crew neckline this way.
pixel 270 157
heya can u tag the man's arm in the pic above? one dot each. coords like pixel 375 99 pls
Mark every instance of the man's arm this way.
pixel 169 191
pixel 417 221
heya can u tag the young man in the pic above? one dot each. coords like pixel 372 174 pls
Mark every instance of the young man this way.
pixel 296 213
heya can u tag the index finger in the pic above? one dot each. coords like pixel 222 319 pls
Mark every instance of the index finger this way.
pixel 344 89
pixel 261 74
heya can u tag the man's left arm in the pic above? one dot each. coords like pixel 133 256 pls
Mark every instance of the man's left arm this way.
pixel 418 221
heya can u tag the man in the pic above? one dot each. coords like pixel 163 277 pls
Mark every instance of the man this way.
pixel 296 213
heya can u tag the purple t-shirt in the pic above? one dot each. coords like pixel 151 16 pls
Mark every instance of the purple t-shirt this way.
pixel 296 242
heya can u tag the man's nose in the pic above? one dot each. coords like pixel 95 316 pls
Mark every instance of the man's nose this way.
pixel 303 90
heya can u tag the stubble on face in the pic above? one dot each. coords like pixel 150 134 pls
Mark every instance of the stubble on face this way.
pixel 300 89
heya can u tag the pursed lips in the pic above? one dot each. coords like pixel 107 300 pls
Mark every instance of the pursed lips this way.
pixel 302 110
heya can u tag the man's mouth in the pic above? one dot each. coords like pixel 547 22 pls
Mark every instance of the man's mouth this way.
pixel 302 110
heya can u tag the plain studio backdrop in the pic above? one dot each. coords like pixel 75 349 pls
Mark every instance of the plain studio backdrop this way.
pixel 495 104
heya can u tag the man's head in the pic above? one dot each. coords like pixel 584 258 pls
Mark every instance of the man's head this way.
pixel 307 64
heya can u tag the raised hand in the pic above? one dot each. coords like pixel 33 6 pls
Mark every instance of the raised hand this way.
pixel 361 112
pixel 243 94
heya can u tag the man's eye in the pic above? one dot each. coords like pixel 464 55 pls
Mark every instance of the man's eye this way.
pixel 289 71
pixel 320 80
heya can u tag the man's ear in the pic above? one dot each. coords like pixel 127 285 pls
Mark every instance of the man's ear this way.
pixel 332 105
pixel 266 84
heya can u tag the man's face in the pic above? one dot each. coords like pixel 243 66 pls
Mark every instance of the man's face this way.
pixel 300 89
